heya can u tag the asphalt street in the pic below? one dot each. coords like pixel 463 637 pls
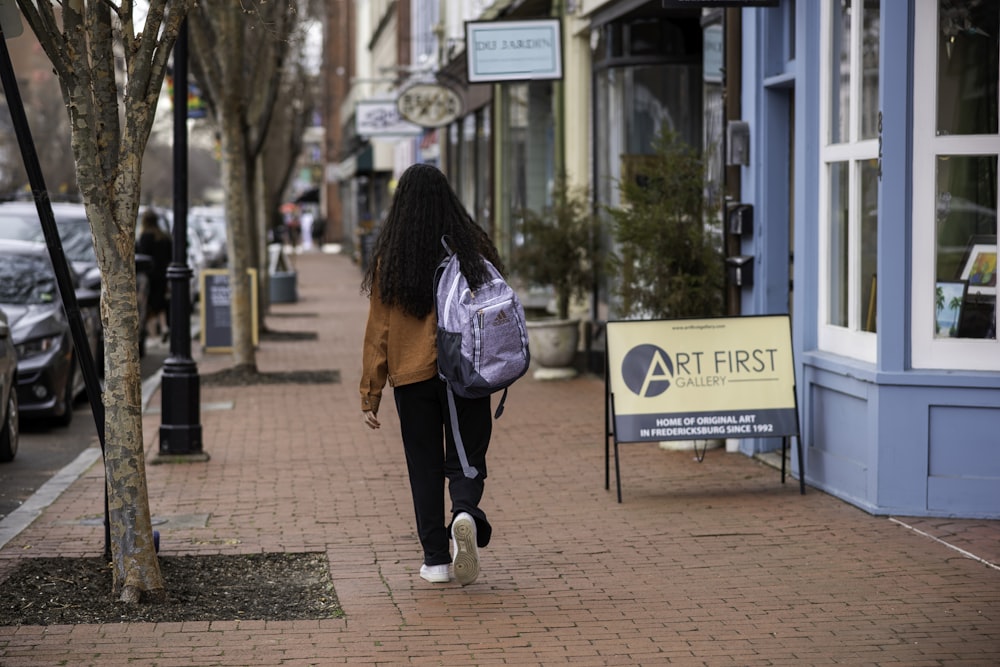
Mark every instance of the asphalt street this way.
pixel 45 449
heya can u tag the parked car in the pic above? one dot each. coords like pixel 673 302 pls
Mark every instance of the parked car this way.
pixel 48 376
pixel 209 223
pixel 9 424
pixel 19 221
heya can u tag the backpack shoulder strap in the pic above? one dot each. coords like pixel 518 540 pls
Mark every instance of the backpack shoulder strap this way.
pixel 439 271
pixel 468 470
pixel 503 399
pixel 447 248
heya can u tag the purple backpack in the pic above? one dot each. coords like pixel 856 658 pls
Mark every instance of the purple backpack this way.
pixel 482 340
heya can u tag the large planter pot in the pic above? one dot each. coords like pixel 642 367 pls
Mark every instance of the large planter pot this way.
pixel 553 344
pixel 282 287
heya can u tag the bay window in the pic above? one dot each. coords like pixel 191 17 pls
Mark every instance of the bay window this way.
pixel 955 182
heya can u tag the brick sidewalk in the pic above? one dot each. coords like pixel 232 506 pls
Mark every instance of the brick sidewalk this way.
pixel 712 563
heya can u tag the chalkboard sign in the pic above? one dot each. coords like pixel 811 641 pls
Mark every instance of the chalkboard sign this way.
pixel 216 309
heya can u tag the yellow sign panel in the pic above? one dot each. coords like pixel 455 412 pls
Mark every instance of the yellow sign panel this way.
pixel 702 378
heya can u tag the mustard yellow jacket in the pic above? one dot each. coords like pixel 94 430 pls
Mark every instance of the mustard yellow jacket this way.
pixel 398 347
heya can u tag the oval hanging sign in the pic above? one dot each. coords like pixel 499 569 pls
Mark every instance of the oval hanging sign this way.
pixel 429 104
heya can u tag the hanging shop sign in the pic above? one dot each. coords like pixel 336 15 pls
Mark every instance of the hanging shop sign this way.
pixel 381 118
pixel 513 50
pixel 429 104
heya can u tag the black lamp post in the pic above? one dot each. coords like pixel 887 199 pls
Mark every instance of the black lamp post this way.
pixel 180 389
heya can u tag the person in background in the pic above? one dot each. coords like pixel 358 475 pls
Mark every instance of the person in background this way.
pixel 155 242
pixel 400 347
pixel 293 230
pixel 318 231
pixel 307 219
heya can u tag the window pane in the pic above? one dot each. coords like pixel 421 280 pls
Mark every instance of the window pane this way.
pixel 966 255
pixel 539 147
pixel 869 245
pixel 839 244
pixel 467 182
pixel 968 67
pixel 483 190
pixel 840 77
pixel 633 105
pixel 869 63
pixel 515 114
pixel 661 95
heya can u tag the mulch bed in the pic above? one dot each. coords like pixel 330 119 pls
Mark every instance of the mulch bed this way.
pixel 268 587
pixel 244 377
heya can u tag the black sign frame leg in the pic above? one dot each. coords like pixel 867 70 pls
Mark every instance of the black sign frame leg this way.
pixel 608 409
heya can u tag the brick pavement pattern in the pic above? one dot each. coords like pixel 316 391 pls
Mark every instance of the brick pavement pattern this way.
pixel 712 563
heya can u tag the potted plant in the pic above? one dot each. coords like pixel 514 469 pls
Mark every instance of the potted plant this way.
pixel 559 246
pixel 668 261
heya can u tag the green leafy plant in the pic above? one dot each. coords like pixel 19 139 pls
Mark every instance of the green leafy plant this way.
pixel 668 259
pixel 560 245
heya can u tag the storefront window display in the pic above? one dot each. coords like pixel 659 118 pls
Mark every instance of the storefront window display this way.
pixel 528 122
pixel 959 137
pixel 648 77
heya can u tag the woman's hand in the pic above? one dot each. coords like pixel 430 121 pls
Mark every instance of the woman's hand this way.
pixel 371 421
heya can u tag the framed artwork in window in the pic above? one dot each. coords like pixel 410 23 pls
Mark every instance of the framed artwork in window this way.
pixel 949 299
pixel 979 267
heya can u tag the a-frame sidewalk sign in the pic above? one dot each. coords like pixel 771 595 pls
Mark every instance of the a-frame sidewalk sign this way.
pixel 695 379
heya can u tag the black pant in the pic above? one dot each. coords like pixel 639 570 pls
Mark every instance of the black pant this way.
pixel 431 458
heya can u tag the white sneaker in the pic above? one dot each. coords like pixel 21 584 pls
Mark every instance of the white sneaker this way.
pixel 436 574
pixel 465 553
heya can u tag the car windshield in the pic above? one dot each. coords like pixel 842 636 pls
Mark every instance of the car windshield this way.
pixel 74 233
pixel 26 280
pixel 20 229
pixel 78 245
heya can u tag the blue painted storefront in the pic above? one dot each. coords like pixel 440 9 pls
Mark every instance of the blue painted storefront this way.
pixel 884 436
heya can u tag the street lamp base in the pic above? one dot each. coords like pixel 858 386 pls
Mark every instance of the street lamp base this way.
pixel 180 428
pixel 181 440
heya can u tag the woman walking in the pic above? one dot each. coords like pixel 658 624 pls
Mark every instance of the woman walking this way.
pixel 157 244
pixel 400 347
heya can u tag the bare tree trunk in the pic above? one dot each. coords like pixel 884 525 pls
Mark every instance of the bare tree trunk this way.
pixel 136 568
pixel 262 206
pixel 109 130
pixel 240 53
pixel 237 240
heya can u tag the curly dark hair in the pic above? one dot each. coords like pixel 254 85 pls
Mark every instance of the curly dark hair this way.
pixel 408 248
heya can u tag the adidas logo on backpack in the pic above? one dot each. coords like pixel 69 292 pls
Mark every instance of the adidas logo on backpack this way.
pixel 482 340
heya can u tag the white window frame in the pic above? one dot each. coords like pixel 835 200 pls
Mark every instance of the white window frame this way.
pixel 850 341
pixel 929 352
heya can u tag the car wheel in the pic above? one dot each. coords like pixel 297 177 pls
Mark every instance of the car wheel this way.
pixel 66 418
pixel 10 432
